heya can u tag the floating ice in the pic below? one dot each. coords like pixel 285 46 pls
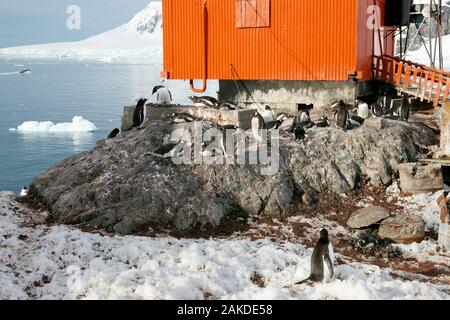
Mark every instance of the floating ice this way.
pixel 78 124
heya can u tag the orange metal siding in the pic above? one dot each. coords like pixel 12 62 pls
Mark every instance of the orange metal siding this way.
pixel 306 40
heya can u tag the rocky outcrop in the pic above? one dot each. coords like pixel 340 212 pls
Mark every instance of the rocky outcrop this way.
pixel 403 228
pixel 116 187
pixel 367 217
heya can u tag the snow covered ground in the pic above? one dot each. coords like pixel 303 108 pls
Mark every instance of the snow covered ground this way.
pixel 140 38
pixel 38 261
pixel 421 56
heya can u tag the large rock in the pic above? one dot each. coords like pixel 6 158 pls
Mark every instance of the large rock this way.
pixel 366 217
pixel 416 178
pixel 117 188
pixel 403 228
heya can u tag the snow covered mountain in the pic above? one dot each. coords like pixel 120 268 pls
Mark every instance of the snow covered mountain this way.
pixel 140 38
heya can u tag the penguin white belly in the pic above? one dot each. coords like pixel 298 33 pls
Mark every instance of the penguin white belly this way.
pixel 23 193
pixel 268 116
pixel 304 117
pixel 363 111
pixel 164 96
pixel 145 116
pixel 326 271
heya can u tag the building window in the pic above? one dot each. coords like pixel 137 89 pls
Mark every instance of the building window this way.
pixel 252 13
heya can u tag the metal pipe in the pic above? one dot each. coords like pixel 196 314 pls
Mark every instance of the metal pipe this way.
pixel 205 52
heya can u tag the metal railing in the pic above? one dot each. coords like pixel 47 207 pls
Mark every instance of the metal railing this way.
pixel 415 79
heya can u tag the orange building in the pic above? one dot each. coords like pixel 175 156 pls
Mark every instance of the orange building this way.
pixel 277 51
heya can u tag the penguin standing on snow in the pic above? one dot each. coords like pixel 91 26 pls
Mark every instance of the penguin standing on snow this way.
pixel 163 95
pixel 139 113
pixel 323 253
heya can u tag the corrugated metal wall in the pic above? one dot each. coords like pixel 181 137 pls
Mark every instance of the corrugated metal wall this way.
pixel 306 40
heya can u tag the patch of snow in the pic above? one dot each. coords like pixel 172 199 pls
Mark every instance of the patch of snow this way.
pixel 140 38
pixel 78 124
pixel 425 206
pixel 61 262
pixel 428 250
pixel 421 55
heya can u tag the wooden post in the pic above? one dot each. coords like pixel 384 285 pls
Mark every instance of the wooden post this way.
pixel 445 130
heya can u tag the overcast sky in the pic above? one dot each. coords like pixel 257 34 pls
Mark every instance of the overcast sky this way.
pixel 39 21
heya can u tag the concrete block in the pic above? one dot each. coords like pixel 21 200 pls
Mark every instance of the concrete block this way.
pixel 374 123
pixel 240 118
pixel 416 178
pixel 127 118
pixel 396 103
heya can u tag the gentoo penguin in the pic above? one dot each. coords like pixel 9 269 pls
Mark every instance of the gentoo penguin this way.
pixel 304 116
pixel 283 116
pixel 377 109
pixel 168 150
pixel 323 122
pixel 341 115
pixel 367 239
pixel 405 108
pixel 276 124
pixel 356 121
pixel 363 109
pixel 267 114
pixel 320 254
pixel 308 124
pixel 163 95
pixel 182 118
pixel 25 71
pixel 204 101
pixel 24 192
pixel 224 106
pixel 303 119
pixel 138 113
pixel 257 125
pixel 299 133
pixel 113 133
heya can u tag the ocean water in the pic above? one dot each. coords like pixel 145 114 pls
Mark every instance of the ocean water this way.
pixel 58 90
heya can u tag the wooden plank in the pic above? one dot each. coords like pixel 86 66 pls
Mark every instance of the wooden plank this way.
pixel 407 78
pixel 377 67
pixel 432 78
pixel 398 78
pixel 446 93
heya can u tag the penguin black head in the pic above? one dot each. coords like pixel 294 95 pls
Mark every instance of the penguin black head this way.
pixel 324 234
pixel 156 88
pixel 267 107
